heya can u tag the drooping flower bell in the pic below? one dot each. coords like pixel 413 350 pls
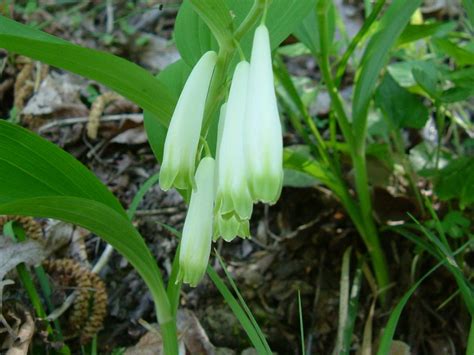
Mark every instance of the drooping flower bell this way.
pixel 182 139
pixel 230 227
pixel 197 232
pixel 233 195
pixel 263 134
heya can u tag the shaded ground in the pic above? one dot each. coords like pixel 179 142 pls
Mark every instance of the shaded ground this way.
pixel 298 244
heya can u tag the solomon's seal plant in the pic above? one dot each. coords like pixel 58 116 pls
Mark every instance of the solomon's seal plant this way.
pixel 249 155
pixel 38 179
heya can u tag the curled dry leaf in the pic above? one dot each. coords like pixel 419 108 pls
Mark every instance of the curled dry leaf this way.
pixel 57 93
pixel 29 252
pixel 24 336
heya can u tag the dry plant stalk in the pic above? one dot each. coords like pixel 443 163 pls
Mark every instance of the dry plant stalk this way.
pixel 90 306
pixel 25 83
pixel 97 110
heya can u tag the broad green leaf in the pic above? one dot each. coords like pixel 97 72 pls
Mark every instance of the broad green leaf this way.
pixel 427 78
pixel 173 77
pixel 297 158
pixel 456 180
pixel 33 167
pixel 461 55
pixel 457 94
pixel 375 57
pixel 462 77
pixel 217 17
pixel 295 178
pixel 308 31
pixel 193 37
pixel 39 179
pixel 389 96
pixel 120 75
pixel 416 32
pixel 455 224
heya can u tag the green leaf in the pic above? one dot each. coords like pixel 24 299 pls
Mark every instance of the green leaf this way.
pixel 298 158
pixel 462 56
pixel 120 75
pixel 389 331
pixel 456 180
pixel 401 107
pixel 462 77
pixel 193 37
pixel 295 178
pixel 308 31
pixel 217 17
pixel 375 57
pixel 456 94
pixel 39 179
pixel 32 167
pixel 455 224
pixel 416 32
pixel 427 79
pixel 174 77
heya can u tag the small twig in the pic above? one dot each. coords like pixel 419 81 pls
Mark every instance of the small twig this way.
pixel 157 211
pixel 73 120
pixel 110 17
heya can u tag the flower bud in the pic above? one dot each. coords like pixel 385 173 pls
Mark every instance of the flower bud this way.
pixel 197 232
pixel 233 195
pixel 182 139
pixel 263 134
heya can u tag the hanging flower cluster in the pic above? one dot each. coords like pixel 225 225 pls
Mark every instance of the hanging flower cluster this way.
pixel 248 166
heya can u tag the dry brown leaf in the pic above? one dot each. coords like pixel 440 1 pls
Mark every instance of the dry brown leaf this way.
pixel 11 254
pixel 24 336
pixel 56 93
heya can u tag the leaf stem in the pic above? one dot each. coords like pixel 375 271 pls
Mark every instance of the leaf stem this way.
pixel 366 224
pixel 255 12
pixel 341 66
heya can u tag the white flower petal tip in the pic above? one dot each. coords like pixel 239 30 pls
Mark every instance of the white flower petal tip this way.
pixel 197 232
pixel 264 142
pixel 233 194
pixel 182 139
pixel 230 227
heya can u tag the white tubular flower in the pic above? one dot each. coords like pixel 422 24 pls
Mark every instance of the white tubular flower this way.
pixel 233 195
pixel 263 134
pixel 197 232
pixel 184 131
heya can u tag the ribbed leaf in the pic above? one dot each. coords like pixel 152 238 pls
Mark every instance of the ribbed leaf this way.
pixel 118 74
pixel 39 179
pixel 217 17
